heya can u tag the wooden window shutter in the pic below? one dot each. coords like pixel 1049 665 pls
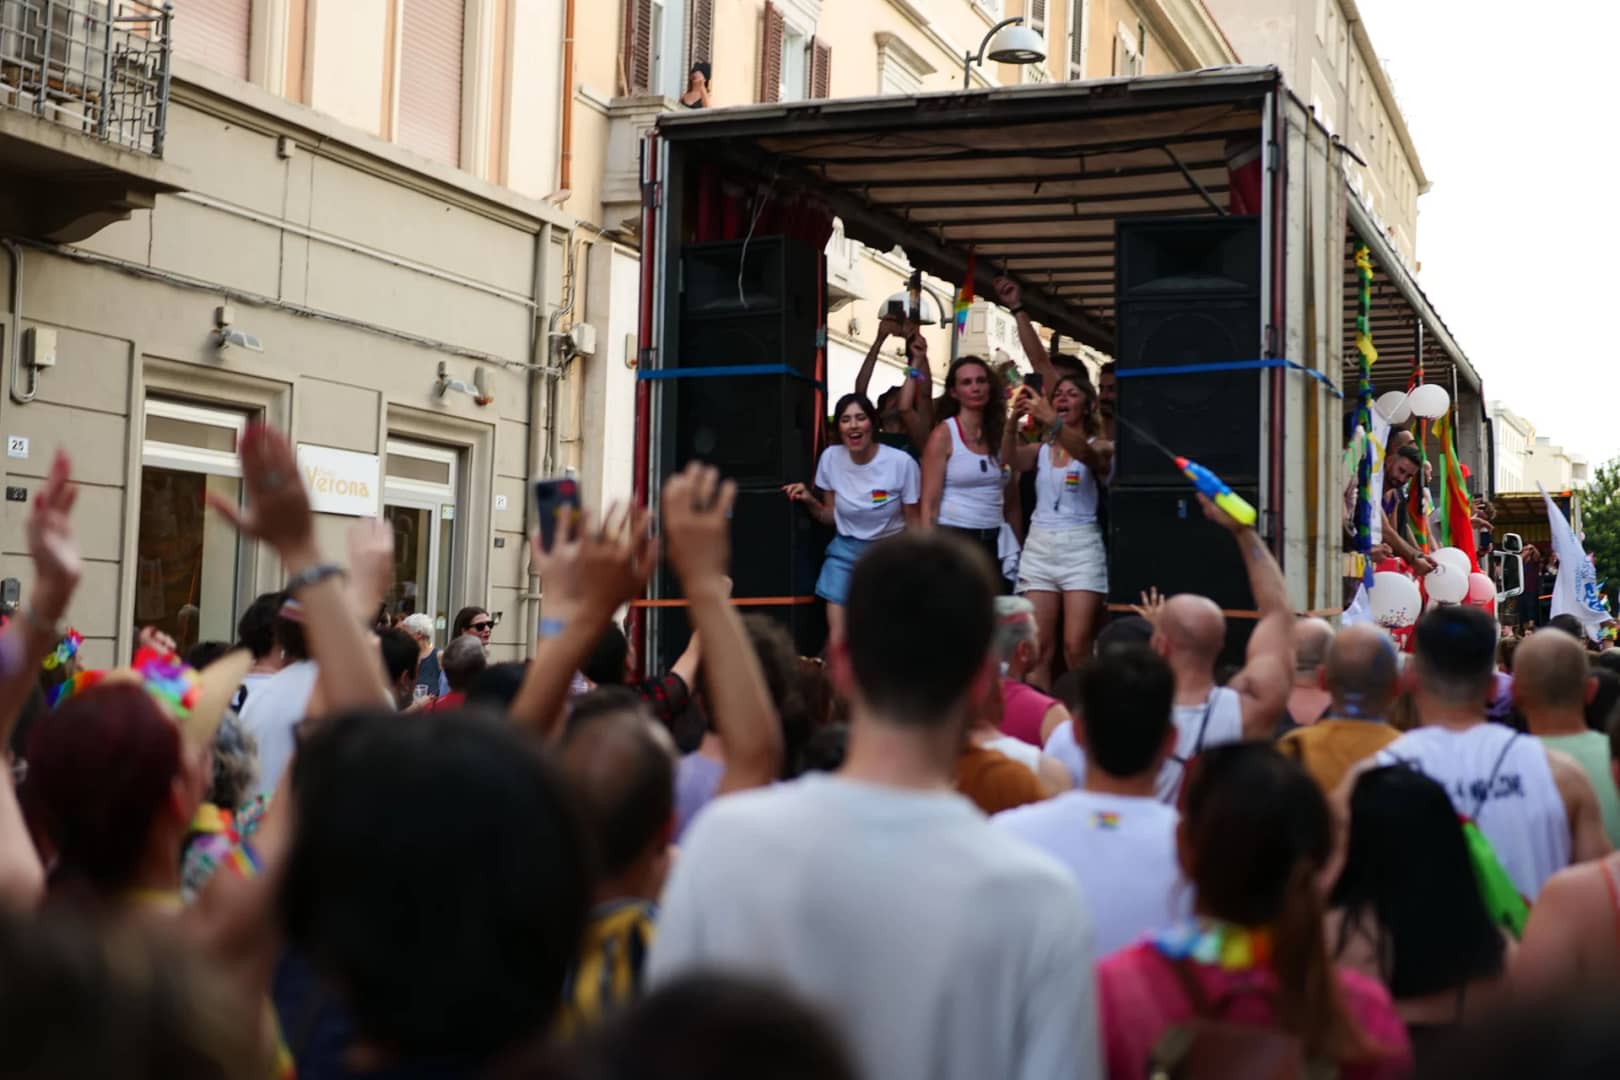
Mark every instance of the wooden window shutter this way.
pixel 430 78
pixel 770 57
pixel 212 32
pixel 820 68
pixel 699 35
pixel 1037 16
pixel 638 46
pixel 1077 42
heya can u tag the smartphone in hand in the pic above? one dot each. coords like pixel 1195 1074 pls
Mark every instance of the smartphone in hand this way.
pixel 1036 382
pixel 556 493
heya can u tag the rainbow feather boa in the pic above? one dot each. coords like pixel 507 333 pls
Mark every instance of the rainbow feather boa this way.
pixel 65 650
pixel 1218 944
pixel 165 676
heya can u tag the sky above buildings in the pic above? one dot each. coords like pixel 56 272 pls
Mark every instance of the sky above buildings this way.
pixel 1518 238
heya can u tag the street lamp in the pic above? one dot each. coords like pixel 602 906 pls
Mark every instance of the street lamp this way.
pixel 1014 43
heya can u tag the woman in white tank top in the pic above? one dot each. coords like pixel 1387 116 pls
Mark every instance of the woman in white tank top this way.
pixel 1064 568
pixel 963 483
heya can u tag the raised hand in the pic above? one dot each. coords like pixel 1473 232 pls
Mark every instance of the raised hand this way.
pixel 697 507
pixel 51 542
pixel 616 561
pixel 1151 606
pixel 1008 292
pixel 371 563
pixel 277 509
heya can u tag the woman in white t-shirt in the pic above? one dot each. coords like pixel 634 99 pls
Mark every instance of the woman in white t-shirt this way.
pixel 1064 567
pixel 868 491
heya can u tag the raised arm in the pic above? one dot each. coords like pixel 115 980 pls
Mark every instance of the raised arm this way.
pixel 23 645
pixel 278 513
pixel 1016 454
pixel 697 508
pixel 888 327
pixel 935 457
pixel 1268 672
pixel 1011 296
pixel 586 576
pixel 917 393
pixel 1093 454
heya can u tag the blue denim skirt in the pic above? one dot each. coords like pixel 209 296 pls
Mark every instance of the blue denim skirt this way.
pixel 833 584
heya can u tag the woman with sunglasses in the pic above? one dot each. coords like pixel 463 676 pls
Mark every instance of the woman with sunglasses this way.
pixel 868 491
pixel 963 483
pixel 1064 567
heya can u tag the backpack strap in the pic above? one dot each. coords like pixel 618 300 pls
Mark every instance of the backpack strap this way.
pixel 1203 726
pixel 1479 804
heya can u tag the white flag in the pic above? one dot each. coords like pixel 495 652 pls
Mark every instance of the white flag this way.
pixel 1575 591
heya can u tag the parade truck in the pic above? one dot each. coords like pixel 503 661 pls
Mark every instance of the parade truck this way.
pixel 1521 521
pixel 1199 229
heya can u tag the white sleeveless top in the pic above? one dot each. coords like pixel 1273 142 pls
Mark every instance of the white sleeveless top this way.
pixel 1065 498
pixel 1501 779
pixel 974 486
pixel 1217 721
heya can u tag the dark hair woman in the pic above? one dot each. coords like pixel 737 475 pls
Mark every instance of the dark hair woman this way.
pixel 868 491
pixel 963 482
pixel 472 620
pixel 1064 566
pixel 1254 836
pixel 696 95
pixel 1409 911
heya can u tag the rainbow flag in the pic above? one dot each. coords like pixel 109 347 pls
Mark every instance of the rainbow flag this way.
pixel 964 296
pixel 1456 515
pixel 1105 819
pixel 879 498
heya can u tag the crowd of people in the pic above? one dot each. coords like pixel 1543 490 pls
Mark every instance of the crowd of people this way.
pixel 989 833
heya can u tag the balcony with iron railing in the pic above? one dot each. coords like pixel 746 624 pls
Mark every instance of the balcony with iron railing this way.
pixel 84 98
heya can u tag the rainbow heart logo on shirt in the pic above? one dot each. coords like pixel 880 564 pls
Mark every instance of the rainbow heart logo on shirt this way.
pixel 880 497
pixel 1105 819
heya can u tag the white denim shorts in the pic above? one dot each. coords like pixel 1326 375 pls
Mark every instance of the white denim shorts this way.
pixel 1064 560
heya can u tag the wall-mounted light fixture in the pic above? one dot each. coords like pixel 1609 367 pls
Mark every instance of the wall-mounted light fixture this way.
pixel 478 389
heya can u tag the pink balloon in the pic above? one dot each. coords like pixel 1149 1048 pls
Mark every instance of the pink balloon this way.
pixel 1481 591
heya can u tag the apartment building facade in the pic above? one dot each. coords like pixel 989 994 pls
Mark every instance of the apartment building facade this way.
pixel 405 231
pixel 1327 56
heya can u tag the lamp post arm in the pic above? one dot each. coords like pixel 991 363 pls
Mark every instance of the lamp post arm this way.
pixel 978 58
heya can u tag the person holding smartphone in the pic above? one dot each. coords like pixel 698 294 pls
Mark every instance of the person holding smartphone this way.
pixel 868 491
pixel 964 484
pixel 1064 567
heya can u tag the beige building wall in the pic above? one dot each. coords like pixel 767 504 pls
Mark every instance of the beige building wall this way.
pixel 1325 53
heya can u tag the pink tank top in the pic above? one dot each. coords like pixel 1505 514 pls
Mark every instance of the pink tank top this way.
pixel 1022 709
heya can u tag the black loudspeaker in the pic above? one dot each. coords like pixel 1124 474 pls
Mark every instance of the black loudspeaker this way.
pixel 1189 294
pixel 776 551
pixel 754 302
pixel 1159 537
pixel 756 429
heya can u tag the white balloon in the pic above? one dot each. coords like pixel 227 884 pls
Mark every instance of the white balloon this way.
pixel 1447 585
pixel 1394 407
pixel 1395 599
pixel 1429 401
pixel 1452 559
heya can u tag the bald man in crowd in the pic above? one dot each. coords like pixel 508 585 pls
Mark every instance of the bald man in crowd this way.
pixel 1552 684
pixel 1190 632
pixel 1307 702
pixel 1360 674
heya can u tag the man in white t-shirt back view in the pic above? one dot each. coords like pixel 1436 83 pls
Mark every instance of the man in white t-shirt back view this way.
pixel 1114 835
pixel 276 707
pixel 941 948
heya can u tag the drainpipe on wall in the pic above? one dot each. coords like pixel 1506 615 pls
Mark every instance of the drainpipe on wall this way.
pixel 565 156
pixel 14 343
pixel 538 348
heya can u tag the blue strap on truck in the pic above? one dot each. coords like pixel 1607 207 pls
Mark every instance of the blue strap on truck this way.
pixel 1228 365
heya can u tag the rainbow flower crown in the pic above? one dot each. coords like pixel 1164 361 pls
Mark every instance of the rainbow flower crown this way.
pixel 65 650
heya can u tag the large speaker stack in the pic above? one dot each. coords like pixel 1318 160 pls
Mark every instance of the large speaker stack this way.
pixel 1187 296
pixel 750 305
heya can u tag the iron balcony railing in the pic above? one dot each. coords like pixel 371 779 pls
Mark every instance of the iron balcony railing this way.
pixel 98 66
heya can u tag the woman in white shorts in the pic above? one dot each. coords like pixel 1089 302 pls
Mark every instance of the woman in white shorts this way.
pixel 1065 565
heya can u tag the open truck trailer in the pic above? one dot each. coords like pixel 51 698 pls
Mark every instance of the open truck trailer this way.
pixel 1039 182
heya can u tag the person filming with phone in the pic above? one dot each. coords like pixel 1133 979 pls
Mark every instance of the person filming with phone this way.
pixel 1064 567
pixel 868 491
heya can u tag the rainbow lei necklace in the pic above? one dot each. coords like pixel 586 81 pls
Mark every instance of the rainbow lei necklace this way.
pixel 1219 944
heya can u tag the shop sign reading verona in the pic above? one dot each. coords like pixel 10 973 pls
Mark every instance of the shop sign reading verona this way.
pixel 340 481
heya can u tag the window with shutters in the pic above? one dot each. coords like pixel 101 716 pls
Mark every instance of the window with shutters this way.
pixel 637 56
pixel 1127 53
pixel 795 81
pixel 430 82
pixel 820 68
pixel 1077 39
pixel 773 29
pixel 1035 18
pixel 214 33
pixel 662 40
pixel 793 63
pixel 699 33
